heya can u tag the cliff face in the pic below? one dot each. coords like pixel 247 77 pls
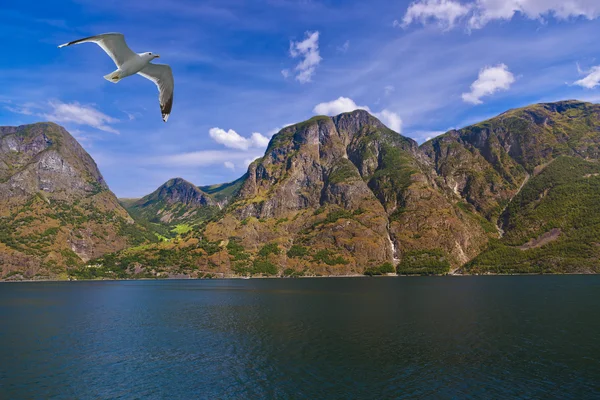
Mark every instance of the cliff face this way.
pixel 56 210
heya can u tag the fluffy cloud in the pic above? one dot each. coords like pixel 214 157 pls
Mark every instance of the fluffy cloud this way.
pixel 490 80
pixel 345 104
pixel 447 13
pixel 75 113
pixel 390 119
pixel 81 115
pixel 338 106
pixel 308 51
pixel 444 12
pixel 489 10
pixel 591 80
pixel 234 140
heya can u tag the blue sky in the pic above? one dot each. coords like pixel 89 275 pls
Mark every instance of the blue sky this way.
pixel 244 69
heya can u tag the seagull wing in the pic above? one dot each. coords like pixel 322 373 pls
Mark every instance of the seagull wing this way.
pixel 112 43
pixel 162 76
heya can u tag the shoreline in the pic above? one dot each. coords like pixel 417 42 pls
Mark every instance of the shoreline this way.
pixel 282 277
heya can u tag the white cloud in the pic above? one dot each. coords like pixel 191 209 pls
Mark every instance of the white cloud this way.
pixel 81 115
pixel 344 48
pixel 444 12
pixel 389 89
pixel 591 80
pixel 229 165
pixel 75 113
pixel 308 50
pixel 345 104
pixel 490 80
pixel 390 119
pixel 489 10
pixel 234 140
pixel 285 73
pixel 24 110
pixel 338 106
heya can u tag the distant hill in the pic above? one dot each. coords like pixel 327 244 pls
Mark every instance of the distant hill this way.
pixel 176 203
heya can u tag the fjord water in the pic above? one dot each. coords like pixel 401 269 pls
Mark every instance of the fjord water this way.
pixel 461 337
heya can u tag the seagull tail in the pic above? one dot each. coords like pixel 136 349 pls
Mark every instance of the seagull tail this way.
pixel 113 77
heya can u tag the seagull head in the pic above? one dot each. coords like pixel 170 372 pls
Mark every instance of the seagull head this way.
pixel 149 56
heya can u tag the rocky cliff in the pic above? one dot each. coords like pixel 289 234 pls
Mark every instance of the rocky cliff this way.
pixel 56 210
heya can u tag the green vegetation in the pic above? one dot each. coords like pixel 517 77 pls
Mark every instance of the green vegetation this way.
pixel 235 249
pixel 343 171
pixel 181 229
pixel 297 251
pixel 263 267
pixel 328 257
pixel 289 272
pixel 385 268
pixel 424 262
pixel 269 248
pixel 564 196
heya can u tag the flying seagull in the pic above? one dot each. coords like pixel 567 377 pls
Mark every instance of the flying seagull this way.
pixel 129 63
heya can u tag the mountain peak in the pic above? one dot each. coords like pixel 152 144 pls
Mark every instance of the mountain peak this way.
pixel 178 190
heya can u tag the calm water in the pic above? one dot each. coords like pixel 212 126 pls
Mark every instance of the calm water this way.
pixel 478 337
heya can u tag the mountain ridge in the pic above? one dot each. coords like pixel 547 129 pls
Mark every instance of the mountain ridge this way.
pixel 347 195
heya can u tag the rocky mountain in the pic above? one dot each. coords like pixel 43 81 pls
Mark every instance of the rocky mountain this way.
pixel 56 210
pixel 525 170
pixel 346 195
pixel 175 203
pixel 352 188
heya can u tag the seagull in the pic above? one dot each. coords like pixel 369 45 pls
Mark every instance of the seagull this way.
pixel 129 63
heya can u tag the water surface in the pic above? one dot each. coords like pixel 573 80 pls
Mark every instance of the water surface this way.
pixel 524 337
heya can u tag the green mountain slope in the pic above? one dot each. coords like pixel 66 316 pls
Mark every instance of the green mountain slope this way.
pixel 177 204
pixel 488 162
pixel 552 225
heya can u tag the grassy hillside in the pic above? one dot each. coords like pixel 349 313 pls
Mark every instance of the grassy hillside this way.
pixel 552 225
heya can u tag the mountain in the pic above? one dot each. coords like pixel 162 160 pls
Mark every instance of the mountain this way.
pixel 517 193
pixel 176 203
pixel 552 225
pixel 350 188
pixel 56 210
pixel 487 163
pixel 334 195
pixel 532 171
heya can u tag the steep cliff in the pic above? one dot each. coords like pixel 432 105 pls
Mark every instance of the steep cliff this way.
pixel 56 210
